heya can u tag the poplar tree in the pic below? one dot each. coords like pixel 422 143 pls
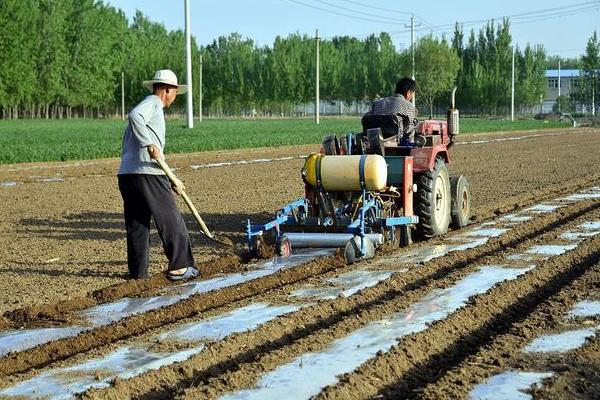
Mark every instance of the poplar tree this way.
pixel 438 67
pixel 53 57
pixel 590 75
pixel 18 55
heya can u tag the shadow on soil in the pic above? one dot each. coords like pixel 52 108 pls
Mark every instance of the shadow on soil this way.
pixel 94 225
pixel 62 269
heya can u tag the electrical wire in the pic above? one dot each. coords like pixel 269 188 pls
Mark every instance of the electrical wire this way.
pixel 328 3
pixel 381 21
pixel 377 8
pixel 530 16
pixel 423 20
pixel 515 19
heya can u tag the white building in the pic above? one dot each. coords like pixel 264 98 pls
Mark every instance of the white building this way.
pixel 569 81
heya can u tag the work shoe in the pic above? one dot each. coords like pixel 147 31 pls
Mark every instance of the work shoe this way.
pixel 190 273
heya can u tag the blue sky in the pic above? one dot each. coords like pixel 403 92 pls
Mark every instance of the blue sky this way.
pixel 562 26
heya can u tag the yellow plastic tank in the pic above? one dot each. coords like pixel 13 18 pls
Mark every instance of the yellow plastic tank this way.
pixel 342 173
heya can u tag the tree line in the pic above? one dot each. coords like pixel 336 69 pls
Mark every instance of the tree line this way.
pixel 65 58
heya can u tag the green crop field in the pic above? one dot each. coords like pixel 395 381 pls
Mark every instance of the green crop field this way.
pixel 41 140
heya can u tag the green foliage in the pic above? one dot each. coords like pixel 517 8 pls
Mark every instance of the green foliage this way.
pixel 484 79
pixel 589 84
pixel 94 33
pixel 53 56
pixel 438 66
pixel 564 104
pixel 565 63
pixel 530 75
pixel 18 52
pixel 41 140
pixel 64 58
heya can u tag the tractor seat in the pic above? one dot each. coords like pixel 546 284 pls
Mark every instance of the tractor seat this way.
pixel 389 124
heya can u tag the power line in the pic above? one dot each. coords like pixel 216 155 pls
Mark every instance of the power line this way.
pixel 327 3
pixel 378 8
pixel 515 19
pixel 531 16
pixel 371 7
pixel 380 21
pixel 386 20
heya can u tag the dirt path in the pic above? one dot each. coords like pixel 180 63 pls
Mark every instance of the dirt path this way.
pixel 425 363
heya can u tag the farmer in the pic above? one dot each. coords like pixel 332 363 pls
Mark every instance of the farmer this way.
pixel 146 190
pixel 401 105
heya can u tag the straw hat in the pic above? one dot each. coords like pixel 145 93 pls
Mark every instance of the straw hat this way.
pixel 165 76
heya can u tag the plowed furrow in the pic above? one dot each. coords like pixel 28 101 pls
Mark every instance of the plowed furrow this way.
pixel 57 313
pixel 314 327
pixel 426 356
pixel 578 378
pixel 505 350
pixel 138 324
pixel 45 315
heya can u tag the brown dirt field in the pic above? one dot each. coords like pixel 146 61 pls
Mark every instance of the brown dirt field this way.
pixel 238 361
pixel 61 240
pixel 62 248
pixel 279 337
pixel 579 369
pixel 475 335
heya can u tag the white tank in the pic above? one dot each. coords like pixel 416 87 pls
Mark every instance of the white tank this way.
pixel 343 173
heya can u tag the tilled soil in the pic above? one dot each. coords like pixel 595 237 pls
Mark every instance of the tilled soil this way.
pixel 79 244
pixel 62 240
pixel 579 371
pixel 239 360
pixel 424 357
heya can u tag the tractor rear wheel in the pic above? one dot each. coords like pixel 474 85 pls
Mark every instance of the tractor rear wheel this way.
pixel 432 201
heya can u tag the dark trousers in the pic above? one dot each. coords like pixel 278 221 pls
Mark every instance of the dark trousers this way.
pixel 146 196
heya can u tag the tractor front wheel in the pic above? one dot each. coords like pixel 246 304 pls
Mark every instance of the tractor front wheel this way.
pixel 432 201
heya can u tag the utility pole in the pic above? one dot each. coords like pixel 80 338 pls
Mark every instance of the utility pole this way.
pixel 412 47
pixel 512 96
pixel 200 92
pixel 188 64
pixel 317 82
pixel 558 86
pixel 122 95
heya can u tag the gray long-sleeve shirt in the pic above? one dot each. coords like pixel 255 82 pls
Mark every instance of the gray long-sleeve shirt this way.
pixel 146 126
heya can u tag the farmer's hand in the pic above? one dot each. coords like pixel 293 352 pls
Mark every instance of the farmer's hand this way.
pixel 177 186
pixel 154 151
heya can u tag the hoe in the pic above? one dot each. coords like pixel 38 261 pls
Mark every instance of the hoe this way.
pixel 363 190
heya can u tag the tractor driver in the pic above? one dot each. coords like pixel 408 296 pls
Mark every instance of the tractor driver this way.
pixel 400 104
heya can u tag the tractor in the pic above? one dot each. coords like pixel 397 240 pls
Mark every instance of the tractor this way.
pixel 365 190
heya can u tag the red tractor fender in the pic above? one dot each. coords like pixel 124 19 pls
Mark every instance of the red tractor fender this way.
pixel 424 157
pixel 438 141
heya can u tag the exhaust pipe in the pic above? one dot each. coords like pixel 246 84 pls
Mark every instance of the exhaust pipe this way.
pixel 453 117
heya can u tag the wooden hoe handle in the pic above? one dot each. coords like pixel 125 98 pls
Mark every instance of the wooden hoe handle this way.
pixel 165 167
